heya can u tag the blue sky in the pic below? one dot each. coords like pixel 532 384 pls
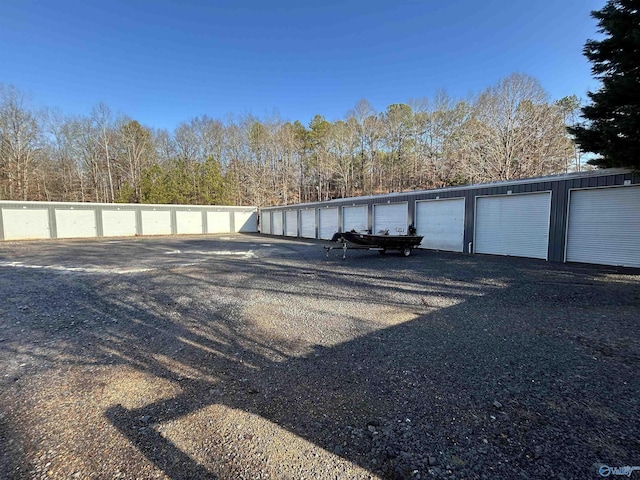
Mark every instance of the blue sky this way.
pixel 162 62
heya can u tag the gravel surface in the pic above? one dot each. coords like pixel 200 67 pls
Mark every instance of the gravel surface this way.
pixel 251 357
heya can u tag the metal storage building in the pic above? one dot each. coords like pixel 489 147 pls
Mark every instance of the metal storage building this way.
pixel 47 220
pixel 588 217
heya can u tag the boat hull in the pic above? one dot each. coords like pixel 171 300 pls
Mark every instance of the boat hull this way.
pixel 383 241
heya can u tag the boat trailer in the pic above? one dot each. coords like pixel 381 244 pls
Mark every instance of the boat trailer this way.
pixel 366 241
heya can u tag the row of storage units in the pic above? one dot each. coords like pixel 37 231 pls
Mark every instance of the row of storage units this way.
pixel 588 217
pixel 45 220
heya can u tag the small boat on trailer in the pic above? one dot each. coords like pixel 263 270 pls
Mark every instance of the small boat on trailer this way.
pixel 380 242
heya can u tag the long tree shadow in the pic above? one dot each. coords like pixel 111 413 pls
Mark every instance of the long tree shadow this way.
pixel 494 373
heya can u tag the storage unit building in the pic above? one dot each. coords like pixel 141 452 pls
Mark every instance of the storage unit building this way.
pixel 551 218
pixel 48 220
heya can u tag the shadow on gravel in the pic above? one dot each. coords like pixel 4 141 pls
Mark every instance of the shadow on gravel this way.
pixel 527 369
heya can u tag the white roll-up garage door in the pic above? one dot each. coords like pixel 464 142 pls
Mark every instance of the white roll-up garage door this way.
pixel 441 222
pixel 118 223
pixel 291 223
pixel 276 222
pixel 390 216
pixel 76 223
pixel 21 223
pixel 515 225
pixel 354 218
pixel 188 222
pixel 265 222
pixel 218 222
pixel 604 226
pixel 328 222
pixel 156 222
pixel 308 223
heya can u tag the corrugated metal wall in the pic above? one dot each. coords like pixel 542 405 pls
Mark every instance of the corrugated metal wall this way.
pixel 46 220
pixel 559 186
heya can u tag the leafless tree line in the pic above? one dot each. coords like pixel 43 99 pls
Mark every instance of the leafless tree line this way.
pixel 510 130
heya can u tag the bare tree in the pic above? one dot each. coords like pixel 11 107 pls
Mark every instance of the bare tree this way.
pixel 515 132
pixel 104 126
pixel 363 118
pixel 134 147
pixel 20 143
pixel 397 134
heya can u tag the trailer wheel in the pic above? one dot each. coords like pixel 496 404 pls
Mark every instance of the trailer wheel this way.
pixel 406 252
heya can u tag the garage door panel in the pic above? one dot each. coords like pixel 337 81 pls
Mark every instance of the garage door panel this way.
pixel 328 222
pixel 218 222
pixel 291 223
pixel 118 223
pixel 76 223
pixel 156 222
pixel 276 223
pixel 441 222
pixel 308 223
pixel 391 217
pixel 513 225
pixel 22 224
pixel 604 226
pixel 188 222
pixel 354 218
pixel 265 223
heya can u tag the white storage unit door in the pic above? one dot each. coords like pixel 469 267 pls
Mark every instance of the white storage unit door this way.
pixel 156 222
pixel 441 222
pixel 276 223
pixel 328 222
pixel 604 226
pixel 118 223
pixel 390 216
pixel 265 222
pixel 218 222
pixel 291 223
pixel 76 223
pixel 188 222
pixel 21 223
pixel 308 223
pixel 354 218
pixel 514 225
pixel 245 221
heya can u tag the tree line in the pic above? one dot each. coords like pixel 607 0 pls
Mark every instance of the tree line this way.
pixel 510 130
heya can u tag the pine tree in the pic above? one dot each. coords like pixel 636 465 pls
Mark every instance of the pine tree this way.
pixel 612 129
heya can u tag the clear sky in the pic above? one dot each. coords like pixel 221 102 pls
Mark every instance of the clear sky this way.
pixel 163 61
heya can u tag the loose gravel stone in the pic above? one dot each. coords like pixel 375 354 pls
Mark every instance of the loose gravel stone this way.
pixel 169 358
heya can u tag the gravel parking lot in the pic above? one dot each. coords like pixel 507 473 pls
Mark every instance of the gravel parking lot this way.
pixel 248 357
